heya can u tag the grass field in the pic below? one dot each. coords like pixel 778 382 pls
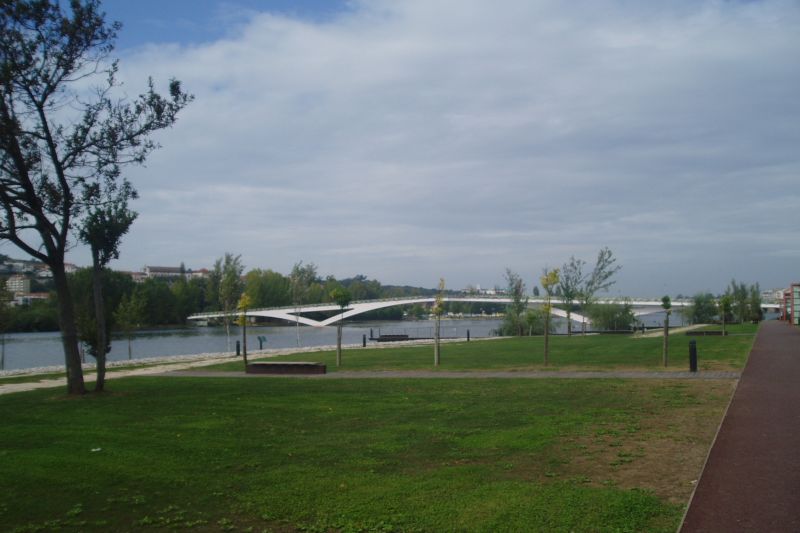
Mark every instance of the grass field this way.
pixel 357 455
pixel 590 352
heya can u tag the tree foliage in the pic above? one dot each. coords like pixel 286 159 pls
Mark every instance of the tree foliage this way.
pixel 514 322
pixel 228 270
pixel 611 317
pixel 703 309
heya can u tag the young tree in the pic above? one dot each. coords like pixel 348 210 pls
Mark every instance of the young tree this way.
pixel 739 300
pixel 570 282
pixel 754 303
pixel 230 270
pixel 725 307
pixel 535 321
pixel 243 305
pixel 438 309
pixel 102 230
pixel 60 143
pixel 666 304
pixel 302 277
pixel 549 282
pixel 129 316
pixel 598 280
pixel 342 297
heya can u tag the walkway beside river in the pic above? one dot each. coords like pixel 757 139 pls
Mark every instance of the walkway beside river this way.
pixel 751 481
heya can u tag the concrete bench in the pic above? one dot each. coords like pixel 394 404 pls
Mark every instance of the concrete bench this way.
pixel 286 368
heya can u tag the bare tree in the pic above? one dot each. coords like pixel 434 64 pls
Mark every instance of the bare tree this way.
pixel 570 282
pixel 61 144
pixel 598 280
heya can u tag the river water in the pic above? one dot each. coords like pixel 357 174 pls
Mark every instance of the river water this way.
pixel 33 350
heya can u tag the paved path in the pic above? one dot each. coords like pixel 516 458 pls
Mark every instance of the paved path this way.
pixel 751 481
pixel 477 374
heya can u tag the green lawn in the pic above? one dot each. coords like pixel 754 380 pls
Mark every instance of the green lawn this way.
pixel 590 352
pixel 357 455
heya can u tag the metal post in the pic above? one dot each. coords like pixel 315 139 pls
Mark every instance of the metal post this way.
pixel 692 356
pixel 467 335
pixel 364 340
pixel 238 348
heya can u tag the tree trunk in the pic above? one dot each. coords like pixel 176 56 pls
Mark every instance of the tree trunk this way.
pixel 69 333
pixel 569 322
pixel 339 344
pixel 100 321
pixel 436 354
pixel 244 340
pixel 228 331
pixel 546 336
pixel 666 341
pixel 130 353
pixel 723 323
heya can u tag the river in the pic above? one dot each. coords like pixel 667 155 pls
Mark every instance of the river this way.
pixel 34 350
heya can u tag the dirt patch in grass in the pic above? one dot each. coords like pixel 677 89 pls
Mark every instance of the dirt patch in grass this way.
pixel 663 451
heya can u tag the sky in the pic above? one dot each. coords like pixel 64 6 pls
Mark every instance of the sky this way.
pixel 413 140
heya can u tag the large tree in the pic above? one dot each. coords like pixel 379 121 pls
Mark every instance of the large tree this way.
pixel 64 134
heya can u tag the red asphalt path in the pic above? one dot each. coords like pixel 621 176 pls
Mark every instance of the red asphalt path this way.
pixel 751 481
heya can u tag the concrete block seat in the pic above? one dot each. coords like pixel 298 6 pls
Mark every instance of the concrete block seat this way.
pixel 286 367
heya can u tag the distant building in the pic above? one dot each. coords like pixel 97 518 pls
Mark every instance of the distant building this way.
pixel 164 272
pixel 18 284
pixel 201 273
pixel 173 272
pixel 26 298
pixel 69 268
pixel 138 277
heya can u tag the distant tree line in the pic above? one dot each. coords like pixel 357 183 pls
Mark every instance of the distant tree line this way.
pixel 739 303
pixel 160 302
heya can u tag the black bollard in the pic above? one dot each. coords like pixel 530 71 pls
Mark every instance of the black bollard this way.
pixel 692 356
pixel 238 349
pixel 364 340
pixel 467 335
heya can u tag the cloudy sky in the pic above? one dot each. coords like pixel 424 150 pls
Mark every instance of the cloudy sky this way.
pixel 412 140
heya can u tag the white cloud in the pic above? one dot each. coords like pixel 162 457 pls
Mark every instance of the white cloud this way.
pixel 413 140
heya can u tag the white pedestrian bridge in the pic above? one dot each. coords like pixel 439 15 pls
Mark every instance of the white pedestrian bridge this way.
pixel 295 314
